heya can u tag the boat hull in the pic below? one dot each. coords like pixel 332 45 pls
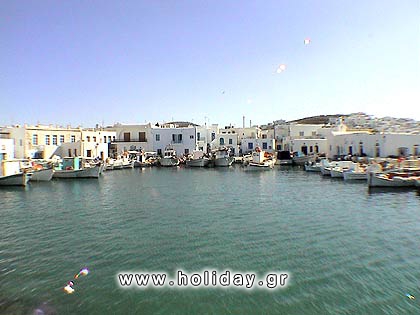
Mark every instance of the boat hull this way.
pixel 354 176
pixel 197 162
pixel 258 167
pixel 336 173
pixel 20 179
pixel 89 172
pixel 223 161
pixel 42 175
pixel 312 168
pixel 325 171
pixel 167 162
pixel 380 180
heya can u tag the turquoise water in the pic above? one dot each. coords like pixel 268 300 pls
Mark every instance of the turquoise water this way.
pixel 348 251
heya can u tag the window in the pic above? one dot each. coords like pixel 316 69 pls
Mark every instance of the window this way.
pixel 198 136
pixel 213 136
pixel 191 136
pixel 316 149
pixel 176 138
pixel 264 145
pixel 47 139
pixel 94 139
pixel 301 133
pixel 187 151
pixel 250 146
pixel 311 149
pixel 230 141
pixel 35 139
pixel 109 139
pixel 61 138
pixel 75 152
pixel 88 139
pixel 104 139
pixel 142 136
pixel 264 136
pixel 159 152
pixel 89 153
pixel 54 139
pixel 222 141
pixel 69 152
pixel 126 136
pixel 73 138
pixel 158 137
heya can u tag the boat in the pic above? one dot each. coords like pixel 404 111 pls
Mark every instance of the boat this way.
pixel 313 166
pixel 325 167
pixel 302 159
pixel 391 179
pixel 261 161
pixel 197 159
pixel 357 173
pixel 40 171
pixel 222 157
pixel 284 158
pixel 11 174
pixel 19 179
pixel 169 157
pixel 340 167
pixel 72 167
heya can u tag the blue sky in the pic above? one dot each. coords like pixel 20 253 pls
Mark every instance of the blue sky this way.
pixel 88 62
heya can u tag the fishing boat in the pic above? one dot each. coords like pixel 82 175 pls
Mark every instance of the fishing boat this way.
pixel 11 174
pixel 313 166
pixel 169 157
pixel 197 159
pixel 222 157
pixel 73 167
pixel 41 171
pixel 391 179
pixel 342 166
pixel 261 161
pixel 357 173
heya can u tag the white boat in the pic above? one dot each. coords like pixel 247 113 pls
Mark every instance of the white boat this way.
pixel 340 167
pixel 198 159
pixel 313 167
pixel 72 167
pixel 42 175
pixel 169 157
pixel 127 162
pixel 261 161
pixel 390 179
pixel 326 166
pixel 19 179
pixel 222 157
pixel 357 173
pixel 11 173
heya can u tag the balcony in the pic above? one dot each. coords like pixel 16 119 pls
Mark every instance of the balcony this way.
pixel 129 140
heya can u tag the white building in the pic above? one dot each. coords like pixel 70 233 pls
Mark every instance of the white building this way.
pixel 181 139
pixel 204 137
pixel 7 147
pixel 131 138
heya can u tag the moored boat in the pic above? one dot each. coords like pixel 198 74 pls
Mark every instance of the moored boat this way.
pixel 72 167
pixel 222 157
pixel 11 174
pixel 198 159
pixel 169 157
pixel 261 161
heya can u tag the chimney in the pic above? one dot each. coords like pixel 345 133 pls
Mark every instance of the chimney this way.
pixel 243 121
pixel 250 125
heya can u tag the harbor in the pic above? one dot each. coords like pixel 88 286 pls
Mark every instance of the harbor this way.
pixel 331 236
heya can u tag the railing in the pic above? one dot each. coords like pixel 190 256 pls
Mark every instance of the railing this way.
pixel 176 142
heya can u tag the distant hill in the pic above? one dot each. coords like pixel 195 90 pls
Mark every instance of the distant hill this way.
pixel 320 119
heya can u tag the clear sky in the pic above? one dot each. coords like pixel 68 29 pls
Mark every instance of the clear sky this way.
pixel 88 62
